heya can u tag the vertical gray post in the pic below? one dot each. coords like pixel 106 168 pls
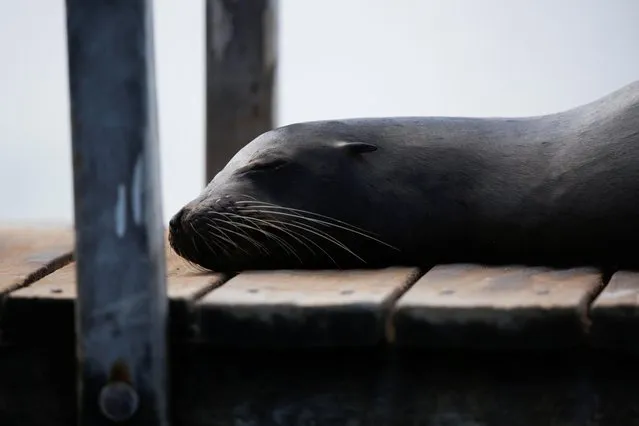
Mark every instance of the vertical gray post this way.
pixel 241 42
pixel 121 306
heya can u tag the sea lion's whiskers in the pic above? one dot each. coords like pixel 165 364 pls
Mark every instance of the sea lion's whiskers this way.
pixel 215 235
pixel 192 240
pixel 284 224
pixel 324 235
pixel 306 212
pixel 204 240
pixel 185 263
pixel 295 234
pixel 333 222
pixel 219 217
pixel 322 222
pixel 256 221
pixel 246 237
pixel 241 232
pixel 281 242
pixel 197 267
pixel 220 234
pixel 214 239
pixel 223 218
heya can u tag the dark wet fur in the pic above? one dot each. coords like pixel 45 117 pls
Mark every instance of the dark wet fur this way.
pixel 555 190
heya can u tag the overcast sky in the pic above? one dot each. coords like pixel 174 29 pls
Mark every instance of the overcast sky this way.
pixel 337 58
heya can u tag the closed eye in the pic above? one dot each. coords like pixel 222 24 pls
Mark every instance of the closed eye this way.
pixel 264 165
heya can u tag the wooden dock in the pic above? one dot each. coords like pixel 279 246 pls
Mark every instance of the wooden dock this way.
pixel 453 345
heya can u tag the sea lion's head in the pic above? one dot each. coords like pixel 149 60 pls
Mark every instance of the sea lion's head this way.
pixel 294 197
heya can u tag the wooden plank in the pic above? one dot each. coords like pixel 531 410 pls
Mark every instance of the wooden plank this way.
pixel 45 309
pixel 474 306
pixel 615 314
pixel 28 254
pixel 303 308
pixel 185 286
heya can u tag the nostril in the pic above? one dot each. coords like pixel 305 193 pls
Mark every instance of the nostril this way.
pixel 175 224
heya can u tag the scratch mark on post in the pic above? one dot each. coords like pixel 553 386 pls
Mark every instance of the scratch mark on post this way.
pixel 136 191
pixel 125 322
pixel 120 211
pixel 125 312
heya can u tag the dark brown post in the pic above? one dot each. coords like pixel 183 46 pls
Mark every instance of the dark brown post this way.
pixel 241 42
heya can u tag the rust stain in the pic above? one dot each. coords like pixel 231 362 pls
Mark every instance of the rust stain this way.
pixel 120 372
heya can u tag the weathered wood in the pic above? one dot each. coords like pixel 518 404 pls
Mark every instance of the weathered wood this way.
pixel 474 306
pixel 303 308
pixel 45 309
pixel 42 313
pixel 185 287
pixel 615 314
pixel 28 254
pixel 241 43
pixel 369 384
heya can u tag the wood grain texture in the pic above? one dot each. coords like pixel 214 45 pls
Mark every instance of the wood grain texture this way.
pixel 475 306
pixel 27 254
pixel 303 308
pixel 615 314
pixel 46 307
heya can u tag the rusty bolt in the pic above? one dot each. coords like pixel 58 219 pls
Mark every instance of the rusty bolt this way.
pixel 118 401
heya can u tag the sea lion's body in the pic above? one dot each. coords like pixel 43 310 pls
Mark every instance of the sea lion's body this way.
pixel 559 189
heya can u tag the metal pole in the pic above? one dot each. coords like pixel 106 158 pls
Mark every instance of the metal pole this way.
pixel 121 307
pixel 241 62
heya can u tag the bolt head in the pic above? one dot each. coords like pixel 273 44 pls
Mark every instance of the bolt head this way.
pixel 118 401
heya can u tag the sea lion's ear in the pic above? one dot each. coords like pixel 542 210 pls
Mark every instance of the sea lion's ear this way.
pixel 357 147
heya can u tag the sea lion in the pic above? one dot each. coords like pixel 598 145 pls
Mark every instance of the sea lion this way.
pixel 557 190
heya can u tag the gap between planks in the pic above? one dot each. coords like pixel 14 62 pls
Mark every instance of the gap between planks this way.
pixel 38 276
pixel 615 314
pixel 29 254
pixel 450 305
pixel 303 308
pixel 491 307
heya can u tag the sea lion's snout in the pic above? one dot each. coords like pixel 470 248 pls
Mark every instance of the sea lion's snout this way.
pixel 178 232
pixel 204 225
pixel 175 224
